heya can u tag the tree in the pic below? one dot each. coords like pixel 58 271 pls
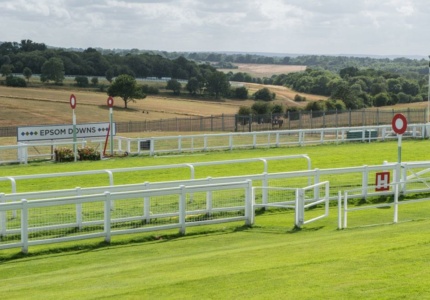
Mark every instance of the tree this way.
pixel 53 69
pixel 218 84
pixel 6 70
pixel 82 81
pixel 263 94
pixel 174 85
pixel 15 81
pixel 241 93
pixel 193 85
pixel 125 86
pixel 109 75
pixel 29 45
pixel 381 99
pixel 95 81
pixel 244 111
pixel 261 108
pixel 27 73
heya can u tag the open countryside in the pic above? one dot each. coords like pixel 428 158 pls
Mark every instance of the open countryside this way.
pixel 270 260
pixel 31 106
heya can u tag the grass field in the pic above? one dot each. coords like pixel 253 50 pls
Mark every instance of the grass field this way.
pixel 48 104
pixel 268 260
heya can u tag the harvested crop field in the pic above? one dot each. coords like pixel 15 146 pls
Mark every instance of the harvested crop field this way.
pixel 264 70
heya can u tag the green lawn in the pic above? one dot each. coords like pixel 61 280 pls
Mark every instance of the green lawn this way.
pixel 267 261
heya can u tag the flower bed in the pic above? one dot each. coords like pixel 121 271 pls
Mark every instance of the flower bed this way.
pixel 88 153
pixel 65 154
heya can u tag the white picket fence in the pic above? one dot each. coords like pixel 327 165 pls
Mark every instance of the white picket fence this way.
pixel 223 141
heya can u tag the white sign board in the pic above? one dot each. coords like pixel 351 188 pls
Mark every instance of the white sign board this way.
pixel 57 132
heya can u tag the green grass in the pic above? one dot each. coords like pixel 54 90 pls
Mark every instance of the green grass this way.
pixel 269 260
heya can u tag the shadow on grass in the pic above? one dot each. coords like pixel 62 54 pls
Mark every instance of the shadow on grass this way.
pixel 82 248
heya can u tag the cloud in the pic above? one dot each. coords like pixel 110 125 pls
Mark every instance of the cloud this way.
pixel 303 26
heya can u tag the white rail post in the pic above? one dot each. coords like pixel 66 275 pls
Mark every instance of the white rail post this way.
pixel 339 210
pixel 265 190
pixel 345 210
pixel 151 147
pixel 364 181
pixel 209 199
pixel 146 206
pixel 182 209
pixel 249 211
pixel 107 217
pixel 24 226
pixel 252 205
pixel 300 210
pixel 79 209
pixel 2 217
pixel 396 202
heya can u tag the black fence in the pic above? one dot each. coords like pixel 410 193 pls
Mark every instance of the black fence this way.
pixel 238 123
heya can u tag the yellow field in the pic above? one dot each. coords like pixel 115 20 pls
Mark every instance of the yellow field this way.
pixel 26 106
pixel 264 70
pixel 29 106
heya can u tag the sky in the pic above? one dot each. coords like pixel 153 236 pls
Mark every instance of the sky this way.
pixel 324 27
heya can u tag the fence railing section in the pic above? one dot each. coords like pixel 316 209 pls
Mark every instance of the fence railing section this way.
pixel 256 139
pixel 225 141
pixel 82 217
pixel 109 174
pixel 388 209
pixel 33 218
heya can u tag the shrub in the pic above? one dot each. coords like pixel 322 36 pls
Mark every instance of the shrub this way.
pixel 149 89
pixel 15 81
pixel 88 153
pixel 299 98
pixel 264 94
pixel 64 154
pixel 82 81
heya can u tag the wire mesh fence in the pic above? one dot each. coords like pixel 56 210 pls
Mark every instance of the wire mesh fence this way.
pixel 240 123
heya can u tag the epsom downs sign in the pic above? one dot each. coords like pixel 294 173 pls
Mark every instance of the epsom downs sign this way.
pixel 56 132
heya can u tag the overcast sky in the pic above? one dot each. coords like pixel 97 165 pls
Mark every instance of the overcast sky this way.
pixel 371 27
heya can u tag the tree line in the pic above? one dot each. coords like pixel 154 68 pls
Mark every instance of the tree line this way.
pixel 349 82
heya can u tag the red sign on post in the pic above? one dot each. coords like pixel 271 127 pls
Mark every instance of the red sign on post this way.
pixel 382 181
pixel 72 101
pixel 399 124
pixel 110 102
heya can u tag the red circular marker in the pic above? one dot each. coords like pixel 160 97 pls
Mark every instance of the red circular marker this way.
pixel 110 102
pixel 72 101
pixel 399 123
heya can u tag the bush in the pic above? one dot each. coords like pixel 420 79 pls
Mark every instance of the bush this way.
pixel 149 90
pixel 15 81
pixel 88 153
pixel 298 98
pixel 240 93
pixel 64 154
pixel 82 81
pixel 264 94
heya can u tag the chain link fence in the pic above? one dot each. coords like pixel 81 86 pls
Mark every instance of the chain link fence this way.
pixel 240 123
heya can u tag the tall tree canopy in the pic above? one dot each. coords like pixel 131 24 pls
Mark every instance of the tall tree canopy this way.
pixel 125 86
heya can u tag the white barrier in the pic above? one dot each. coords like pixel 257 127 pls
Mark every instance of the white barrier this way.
pixel 208 142
pixel 398 188
pixel 301 199
pixel 191 166
pixel 54 220
pixel 274 138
